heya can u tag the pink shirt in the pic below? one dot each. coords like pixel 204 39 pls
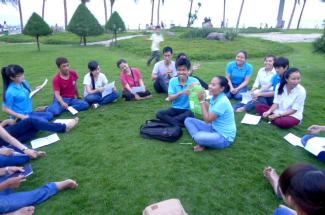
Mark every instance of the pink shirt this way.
pixel 133 81
pixel 67 88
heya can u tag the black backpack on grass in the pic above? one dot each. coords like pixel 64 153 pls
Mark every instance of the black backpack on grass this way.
pixel 156 129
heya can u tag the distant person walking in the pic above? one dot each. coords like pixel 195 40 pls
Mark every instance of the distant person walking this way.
pixel 5 28
pixel 156 38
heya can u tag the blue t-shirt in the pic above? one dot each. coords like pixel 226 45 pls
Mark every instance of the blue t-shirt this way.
pixel 182 101
pixel 17 98
pixel 225 123
pixel 276 79
pixel 238 74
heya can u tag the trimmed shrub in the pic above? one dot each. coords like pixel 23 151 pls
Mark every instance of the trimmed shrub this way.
pixel 37 27
pixel 84 24
pixel 115 25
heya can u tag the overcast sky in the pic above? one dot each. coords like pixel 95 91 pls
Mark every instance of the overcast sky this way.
pixel 254 13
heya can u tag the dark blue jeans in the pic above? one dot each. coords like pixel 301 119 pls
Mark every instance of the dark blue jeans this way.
pixel 13 160
pixel 238 95
pixel 97 98
pixel 27 129
pixel 78 104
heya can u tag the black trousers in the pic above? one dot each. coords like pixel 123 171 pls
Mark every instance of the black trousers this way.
pixel 154 55
pixel 160 85
pixel 174 116
pixel 128 96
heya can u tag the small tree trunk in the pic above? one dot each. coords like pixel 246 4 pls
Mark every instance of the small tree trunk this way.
pixel 152 9
pixel 189 15
pixel 241 9
pixel 279 23
pixel 105 9
pixel 292 13
pixel 158 12
pixel 85 42
pixel 43 9
pixel 224 14
pixel 302 10
pixel 115 36
pixel 37 40
pixel 65 14
pixel 21 16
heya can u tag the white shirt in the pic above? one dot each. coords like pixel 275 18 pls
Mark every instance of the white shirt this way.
pixel 295 100
pixel 263 78
pixel 156 39
pixel 101 82
pixel 160 68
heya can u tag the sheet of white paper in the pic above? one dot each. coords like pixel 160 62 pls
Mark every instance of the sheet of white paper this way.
pixel 315 145
pixel 72 110
pixel 108 89
pixel 63 121
pixel 138 89
pixel 246 97
pixel 293 140
pixel 35 91
pixel 251 119
pixel 207 95
pixel 44 141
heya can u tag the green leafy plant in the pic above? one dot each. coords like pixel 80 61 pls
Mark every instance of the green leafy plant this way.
pixel 115 25
pixel 319 44
pixel 230 34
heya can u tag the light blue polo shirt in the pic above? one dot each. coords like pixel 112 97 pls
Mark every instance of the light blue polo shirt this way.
pixel 238 74
pixel 17 98
pixel 225 123
pixel 182 102
pixel 276 79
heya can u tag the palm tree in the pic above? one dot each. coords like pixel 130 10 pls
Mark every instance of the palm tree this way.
pixel 189 15
pixel 112 4
pixel 152 8
pixel 224 14
pixel 292 13
pixel 279 23
pixel 158 11
pixel 43 9
pixel 239 15
pixel 105 10
pixel 16 3
pixel 65 14
pixel 302 10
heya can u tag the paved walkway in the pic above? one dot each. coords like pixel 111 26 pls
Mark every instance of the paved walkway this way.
pixel 108 42
pixel 286 38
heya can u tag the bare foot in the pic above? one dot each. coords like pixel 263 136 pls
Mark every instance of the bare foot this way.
pixel 148 97
pixel 41 109
pixel 67 184
pixel 273 177
pixel 72 123
pixel 23 211
pixel 241 109
pixel 199 148
pixel 41 154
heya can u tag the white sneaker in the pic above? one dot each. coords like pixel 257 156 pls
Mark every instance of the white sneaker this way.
pixel 95 105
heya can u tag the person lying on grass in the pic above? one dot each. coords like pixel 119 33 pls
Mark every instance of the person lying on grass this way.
pixel 178 94
pixel 95 82
pixel 20 202
pixel 301 186
pixel 218 130
pixel 16 95
pixel 131 79
pixel 288 104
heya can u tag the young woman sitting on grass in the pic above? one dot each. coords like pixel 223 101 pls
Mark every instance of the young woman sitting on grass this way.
pixel 23 202
pixel 218 130
pixel 131 78
pixel 262 84
pixel 16 91
pixel 95 82
pixel 288 104
pixel 238 74
pixel 302 187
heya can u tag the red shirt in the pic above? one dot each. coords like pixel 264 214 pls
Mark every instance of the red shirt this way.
pixel 128 79
pixel 67 88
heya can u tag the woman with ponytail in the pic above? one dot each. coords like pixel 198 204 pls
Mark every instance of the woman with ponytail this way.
pixel 288 104
pixel 16 91
pixel 95 82
pixel 218 130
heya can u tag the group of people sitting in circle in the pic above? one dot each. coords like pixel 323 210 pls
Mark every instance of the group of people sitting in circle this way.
pixel 277 96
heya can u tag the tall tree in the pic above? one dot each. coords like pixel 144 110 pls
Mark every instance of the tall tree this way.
pixel 152 9
pixel 158 11
pixel 43 8
pixel 105 10
pixel 302 10
pixel 85 1
pixel 224 14
pixel 65 14
pixel 292 13
pixel 279 23
pixel 239 15
pixel 189 15
pixel 16 3
pixel 112 4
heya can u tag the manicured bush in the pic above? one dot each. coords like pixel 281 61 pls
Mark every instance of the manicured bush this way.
pixel 115 25
pixel 37 27
pixel 84 24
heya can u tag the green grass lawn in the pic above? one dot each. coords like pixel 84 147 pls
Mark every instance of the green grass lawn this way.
pixel 120 173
